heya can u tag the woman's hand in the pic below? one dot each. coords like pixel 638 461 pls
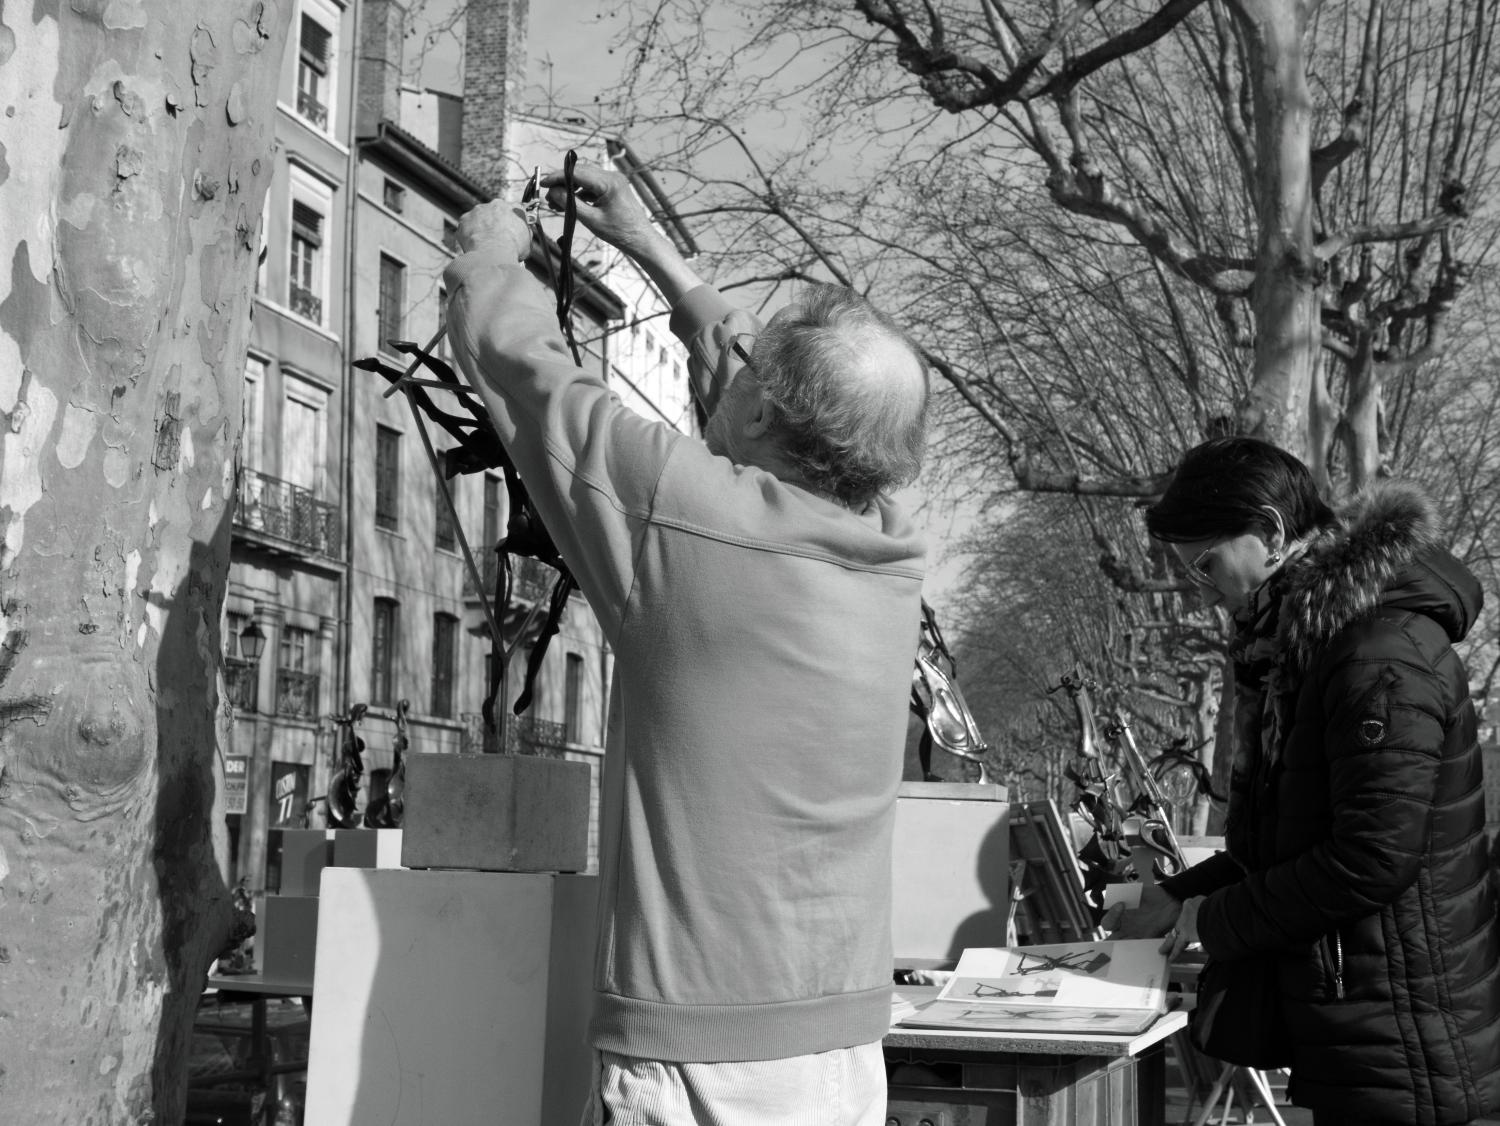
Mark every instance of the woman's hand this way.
pixel 1184 932
pixel 1156 915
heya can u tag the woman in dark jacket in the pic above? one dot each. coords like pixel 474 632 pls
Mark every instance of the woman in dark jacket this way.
pixel 1355 845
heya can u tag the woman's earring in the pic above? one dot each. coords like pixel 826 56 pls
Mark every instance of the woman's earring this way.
pixel 1273 559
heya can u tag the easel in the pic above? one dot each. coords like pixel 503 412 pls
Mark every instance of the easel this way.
pixel 1047 901
pixel 1225 1082
pixel 1250 1083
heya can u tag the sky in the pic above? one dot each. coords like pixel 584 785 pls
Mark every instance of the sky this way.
pixel 572 62
pixel 569 46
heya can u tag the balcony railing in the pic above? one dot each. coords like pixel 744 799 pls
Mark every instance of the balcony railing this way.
pixel 296 693
pixel 524 735
pixel 305 303
pixel 287 512
pixel 527 735
pixel 530 581
pixel 312 109
pixel 241 683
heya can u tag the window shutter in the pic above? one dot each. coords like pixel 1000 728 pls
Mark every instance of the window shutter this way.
pixel 314 44
pixel 307 224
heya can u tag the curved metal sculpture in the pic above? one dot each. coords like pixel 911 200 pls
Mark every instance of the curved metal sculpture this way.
pixel 937 700
pixel 385 812
pixel 343 787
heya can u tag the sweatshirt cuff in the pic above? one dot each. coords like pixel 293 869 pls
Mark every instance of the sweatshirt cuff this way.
pixel 480 260
pixel 702 305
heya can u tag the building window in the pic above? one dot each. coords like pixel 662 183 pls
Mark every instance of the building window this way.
pixel 573 699
pixel 304 434
pixel 442 351
pixel 296 673
pixel 444 658
pixel 314 50
pixel 384 645
pixel 387 478
pixel 395 196
pixel 490 535
pixel 239 671
pixel 392 298
pixel 305 289
pixel 450 235
pixel 252 414
pixel 447 528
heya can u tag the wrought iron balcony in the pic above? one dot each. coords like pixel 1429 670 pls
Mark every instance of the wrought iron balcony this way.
pixel 305 304
pixel 296 693
pixel 530 581
pixel 524 735
pixel 241 683
pixel 527 735
pixel 312 109
pixel 287 512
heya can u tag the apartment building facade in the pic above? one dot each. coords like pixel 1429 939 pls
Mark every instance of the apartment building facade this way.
pixel 349 582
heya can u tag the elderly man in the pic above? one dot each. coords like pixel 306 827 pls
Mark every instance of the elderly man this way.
pixel 762 596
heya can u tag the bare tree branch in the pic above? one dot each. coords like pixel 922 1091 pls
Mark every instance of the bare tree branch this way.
pixel 1385 232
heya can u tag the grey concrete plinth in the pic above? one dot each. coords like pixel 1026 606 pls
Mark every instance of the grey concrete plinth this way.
pixel 496 813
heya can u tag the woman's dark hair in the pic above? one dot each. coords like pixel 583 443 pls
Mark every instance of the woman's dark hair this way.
pixel 1219 489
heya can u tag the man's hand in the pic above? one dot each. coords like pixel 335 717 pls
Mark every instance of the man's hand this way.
pixel 608 207
pixel 495 224
pixel 1156 915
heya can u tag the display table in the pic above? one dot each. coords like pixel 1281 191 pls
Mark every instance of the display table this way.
pixel 1003 1078
pixel 262 1066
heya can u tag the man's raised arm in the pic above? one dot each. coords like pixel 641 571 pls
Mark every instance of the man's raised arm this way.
pixel 707 324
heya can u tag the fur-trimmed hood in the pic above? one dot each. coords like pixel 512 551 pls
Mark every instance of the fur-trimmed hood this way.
pixel 1385 551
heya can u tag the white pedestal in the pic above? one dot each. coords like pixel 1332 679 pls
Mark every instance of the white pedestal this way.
pixel 570 1061
pixel 950 871
pixel 429 998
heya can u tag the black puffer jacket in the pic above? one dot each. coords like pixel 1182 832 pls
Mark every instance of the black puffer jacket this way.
pixel 1357 839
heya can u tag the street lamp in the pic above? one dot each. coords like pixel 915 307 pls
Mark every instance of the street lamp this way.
pixel 252 642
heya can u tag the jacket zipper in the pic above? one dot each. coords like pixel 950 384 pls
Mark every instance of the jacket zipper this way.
pixel 1338 966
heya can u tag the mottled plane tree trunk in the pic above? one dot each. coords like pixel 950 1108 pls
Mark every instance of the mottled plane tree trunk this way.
pixel 134 159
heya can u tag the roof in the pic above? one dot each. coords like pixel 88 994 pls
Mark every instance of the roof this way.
pixel 424 166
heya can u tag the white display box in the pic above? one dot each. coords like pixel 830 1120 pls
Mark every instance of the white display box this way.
pixel 430 998
pixel 950 871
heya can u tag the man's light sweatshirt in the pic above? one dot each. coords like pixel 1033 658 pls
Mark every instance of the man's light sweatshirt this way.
pixel 764 639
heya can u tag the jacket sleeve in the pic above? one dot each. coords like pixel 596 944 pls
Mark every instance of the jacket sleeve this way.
pixel 590 464
pixel 1218 871
pixel 1384 711
pixel 709 327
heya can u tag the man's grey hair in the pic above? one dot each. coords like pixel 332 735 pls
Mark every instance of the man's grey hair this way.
pixel 844 429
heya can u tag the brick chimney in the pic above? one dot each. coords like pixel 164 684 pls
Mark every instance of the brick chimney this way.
pixel 382 31
pixel 494 73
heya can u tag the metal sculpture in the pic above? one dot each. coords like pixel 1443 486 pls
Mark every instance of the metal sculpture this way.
pixel 343 787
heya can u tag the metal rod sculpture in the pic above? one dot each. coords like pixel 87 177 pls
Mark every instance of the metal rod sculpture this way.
pixel 479 448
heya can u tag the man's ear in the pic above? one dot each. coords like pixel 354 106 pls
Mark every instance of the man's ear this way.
pixel 759 418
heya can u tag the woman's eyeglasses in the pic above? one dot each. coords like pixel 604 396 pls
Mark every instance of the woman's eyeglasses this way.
pixel 1196 570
